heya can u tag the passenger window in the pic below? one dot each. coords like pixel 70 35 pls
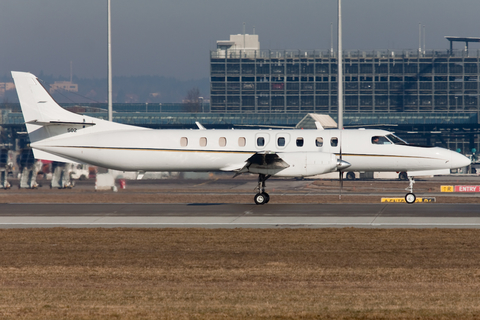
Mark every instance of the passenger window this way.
pixel 319 142
pixel 183 142
pixel 203 142
pixel 260 141
pixel 281 142
pixel 299 142
pixel 334 142
pixel 222 141
pixel 242 142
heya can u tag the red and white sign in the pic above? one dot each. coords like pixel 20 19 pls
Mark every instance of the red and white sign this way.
pixel 467 188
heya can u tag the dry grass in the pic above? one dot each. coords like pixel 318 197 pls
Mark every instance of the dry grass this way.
pixel 262 274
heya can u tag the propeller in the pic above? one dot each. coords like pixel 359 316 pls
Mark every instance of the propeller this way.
pixel 341 165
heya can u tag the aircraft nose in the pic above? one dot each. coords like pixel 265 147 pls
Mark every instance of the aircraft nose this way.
pixel 458 160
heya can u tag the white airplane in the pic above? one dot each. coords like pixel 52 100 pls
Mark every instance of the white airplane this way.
pixel 59 135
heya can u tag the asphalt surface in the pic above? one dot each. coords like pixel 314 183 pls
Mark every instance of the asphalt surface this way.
pixel 224 215
pixel 383 215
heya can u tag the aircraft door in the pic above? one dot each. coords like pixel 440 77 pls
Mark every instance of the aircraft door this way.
pixel 261 140
pixel 282 140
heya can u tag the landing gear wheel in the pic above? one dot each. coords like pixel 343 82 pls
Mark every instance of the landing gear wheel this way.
pixel 267 197
pixel 260 198
pixel 350 176
pixel 410 198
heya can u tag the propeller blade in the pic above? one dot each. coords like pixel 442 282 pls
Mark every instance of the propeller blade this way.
pixel 341 184
pixel 340 166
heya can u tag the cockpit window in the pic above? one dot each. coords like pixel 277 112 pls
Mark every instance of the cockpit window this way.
pixel 389 139
pixel 396 140
pixel 380 140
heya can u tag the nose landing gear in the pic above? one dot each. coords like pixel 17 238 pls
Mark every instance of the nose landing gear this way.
pixel 261 197
pixel 410 196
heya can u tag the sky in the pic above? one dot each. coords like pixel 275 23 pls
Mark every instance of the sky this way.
pixel 173 38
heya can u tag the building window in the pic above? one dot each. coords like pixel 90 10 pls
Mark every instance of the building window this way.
pixel 319 142
pixel 299 142
pixel 222 141
pixel 203 142
pixel 183 142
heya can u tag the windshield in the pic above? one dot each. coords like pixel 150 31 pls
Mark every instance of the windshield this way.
pixel 396 140
pixel 380 140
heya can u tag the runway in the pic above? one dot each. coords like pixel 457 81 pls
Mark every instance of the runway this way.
pixel 391 215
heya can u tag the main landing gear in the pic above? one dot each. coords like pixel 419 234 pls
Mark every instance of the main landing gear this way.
pixel 410 196
pixel 261 197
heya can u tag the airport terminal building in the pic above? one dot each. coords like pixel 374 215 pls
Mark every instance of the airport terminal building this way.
pixel 246 79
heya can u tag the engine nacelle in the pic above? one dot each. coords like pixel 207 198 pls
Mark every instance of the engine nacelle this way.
pixel 302 164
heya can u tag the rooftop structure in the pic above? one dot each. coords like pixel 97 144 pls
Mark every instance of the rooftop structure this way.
pixel 461 39
pixel 246 45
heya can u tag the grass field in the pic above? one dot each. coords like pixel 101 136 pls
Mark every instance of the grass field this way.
pixel 240 273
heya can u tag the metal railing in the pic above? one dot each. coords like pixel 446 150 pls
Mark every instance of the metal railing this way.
pixel 311 54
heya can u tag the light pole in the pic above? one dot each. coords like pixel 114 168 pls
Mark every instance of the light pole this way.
pixel 110 107
pixel 340 67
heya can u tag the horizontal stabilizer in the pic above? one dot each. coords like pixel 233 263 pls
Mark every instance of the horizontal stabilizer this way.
pixel 60 123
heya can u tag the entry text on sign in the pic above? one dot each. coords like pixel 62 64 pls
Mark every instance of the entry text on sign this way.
pixel 460 188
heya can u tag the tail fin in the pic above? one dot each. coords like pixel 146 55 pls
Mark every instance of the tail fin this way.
pixel 44 118
pixel 41 113
pixel 36 102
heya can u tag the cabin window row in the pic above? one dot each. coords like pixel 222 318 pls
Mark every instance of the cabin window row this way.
pixel 222 142
pixel 281 142
pixel 299 142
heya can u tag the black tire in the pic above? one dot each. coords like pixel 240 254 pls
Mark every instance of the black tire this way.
pixel 267 197
pixel 350 176
pixel 260 198
pixel 410 198
pixel 403 176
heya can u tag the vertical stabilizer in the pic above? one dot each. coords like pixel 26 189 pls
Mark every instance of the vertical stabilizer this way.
pixel 39 108
pixel 36 102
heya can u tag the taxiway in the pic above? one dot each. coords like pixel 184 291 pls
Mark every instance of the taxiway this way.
pixel 384 215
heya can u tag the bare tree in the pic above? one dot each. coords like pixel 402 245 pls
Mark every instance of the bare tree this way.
pixel 192 101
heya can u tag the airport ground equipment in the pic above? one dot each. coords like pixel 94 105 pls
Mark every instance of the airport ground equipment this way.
pixel 3 179
pixel 4 168
pixel 61 177
pixel 29 169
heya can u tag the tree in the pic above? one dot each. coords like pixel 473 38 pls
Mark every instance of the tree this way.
pixel 192 101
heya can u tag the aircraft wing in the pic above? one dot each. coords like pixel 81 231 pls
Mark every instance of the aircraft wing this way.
pixel 264 163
